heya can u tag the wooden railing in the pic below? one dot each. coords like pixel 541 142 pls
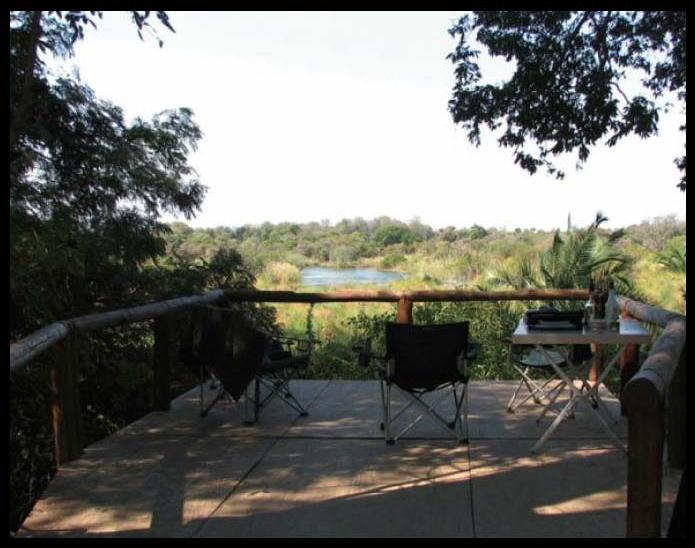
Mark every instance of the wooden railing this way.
pixel 661 378
pixel 643 397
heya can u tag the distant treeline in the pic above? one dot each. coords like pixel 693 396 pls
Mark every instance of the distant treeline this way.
pixel 352 241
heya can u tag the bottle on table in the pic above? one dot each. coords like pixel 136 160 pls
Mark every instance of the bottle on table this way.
pixel 598 301
pixel 588 306
pixel 612 306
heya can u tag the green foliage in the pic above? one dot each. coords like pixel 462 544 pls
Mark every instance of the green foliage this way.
pixel 342 255
pixel 673 256
pixel 565 92
pixel 572 261
pixel 392 259
pixel 393 234
pixel 31 439
pixel 86 189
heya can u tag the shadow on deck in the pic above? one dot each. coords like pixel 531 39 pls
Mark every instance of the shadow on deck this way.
pixel 174 474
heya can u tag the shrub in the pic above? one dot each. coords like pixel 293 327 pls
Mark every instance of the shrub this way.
pixel 392 259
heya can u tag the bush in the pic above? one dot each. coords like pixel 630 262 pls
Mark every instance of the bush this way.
pixel 392 259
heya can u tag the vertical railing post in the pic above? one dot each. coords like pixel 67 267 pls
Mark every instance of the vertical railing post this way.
pixel 629 365
pixel 162 360
pixel 676 431
pixel 405 310
pixel 597 363
pixel 646 434
pixel 66 409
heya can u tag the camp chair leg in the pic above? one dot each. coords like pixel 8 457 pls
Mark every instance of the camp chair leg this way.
pixel 461 417
pixel 290 400
pixel 202 391
pixel 459 424
pixel 387 414
pixel 256 399
pixel 204 412
pixel 249 404
pixel 279 387
pixel 430 411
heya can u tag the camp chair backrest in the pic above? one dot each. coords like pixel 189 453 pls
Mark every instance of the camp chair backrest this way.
pixel 231 349
pixel 426 356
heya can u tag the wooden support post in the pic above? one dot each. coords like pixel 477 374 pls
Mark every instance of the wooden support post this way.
pixel 629 365
pixel 405 310
pixel 162 360
pixel 65 407
pixel 645 468
pixel 676 431
pixel 597 364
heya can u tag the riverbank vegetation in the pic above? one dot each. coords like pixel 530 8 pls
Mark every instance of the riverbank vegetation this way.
pixel 645 260
pixel 650 255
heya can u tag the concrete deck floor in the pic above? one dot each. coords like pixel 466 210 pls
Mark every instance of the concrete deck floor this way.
pixel 175 474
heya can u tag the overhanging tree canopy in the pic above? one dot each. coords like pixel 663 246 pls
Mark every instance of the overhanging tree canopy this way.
pixel 86 187
pixel 566 93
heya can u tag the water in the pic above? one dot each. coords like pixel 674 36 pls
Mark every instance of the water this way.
pixel 319 275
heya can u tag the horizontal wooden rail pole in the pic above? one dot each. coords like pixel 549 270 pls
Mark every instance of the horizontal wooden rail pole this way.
pixel 654 377
pixel 415 296
pixel 28 348
pixel 647 313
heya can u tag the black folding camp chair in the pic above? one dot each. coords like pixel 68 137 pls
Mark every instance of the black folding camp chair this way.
pixel 233 353
pixel 421 359
pixel 285 356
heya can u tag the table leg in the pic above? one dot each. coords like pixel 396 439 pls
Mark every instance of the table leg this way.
pixel 577 395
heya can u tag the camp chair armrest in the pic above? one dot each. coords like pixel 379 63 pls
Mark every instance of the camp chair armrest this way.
pixel 365 356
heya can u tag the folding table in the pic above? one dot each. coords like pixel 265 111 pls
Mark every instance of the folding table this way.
pixel 628 332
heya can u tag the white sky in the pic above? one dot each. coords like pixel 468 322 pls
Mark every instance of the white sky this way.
pixel 311 116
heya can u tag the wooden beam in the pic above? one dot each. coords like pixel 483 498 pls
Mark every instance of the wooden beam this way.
pixel 647 313
pixel 163 357
pixel 629 366
pixel 660 365
pixel 676 416
pixel 596 362
pixel 643 401
pixel 405 310
pixel 65 406
pixel 644 471
pixel 415 296
pixel 28 348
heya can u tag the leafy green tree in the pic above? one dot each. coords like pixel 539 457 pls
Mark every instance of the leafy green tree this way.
pixel 86 188
pixel 476 232
pixel 567 90
pixel 392 234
